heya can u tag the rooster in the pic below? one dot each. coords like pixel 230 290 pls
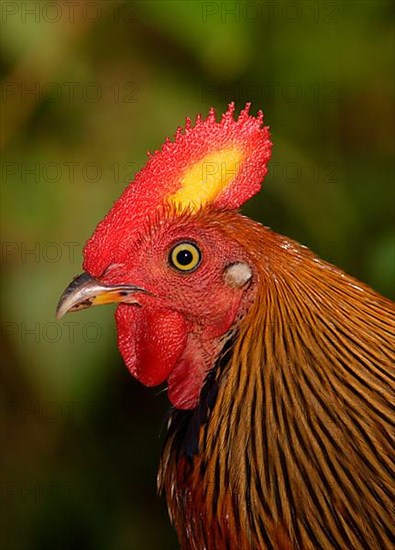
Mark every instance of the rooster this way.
pixel 279 366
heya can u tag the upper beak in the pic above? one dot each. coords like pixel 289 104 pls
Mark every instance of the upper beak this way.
pixel 85 291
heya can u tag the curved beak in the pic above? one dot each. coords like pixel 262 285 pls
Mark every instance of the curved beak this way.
pixel 84 291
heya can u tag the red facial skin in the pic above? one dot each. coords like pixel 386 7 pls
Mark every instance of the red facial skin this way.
pixel 174 333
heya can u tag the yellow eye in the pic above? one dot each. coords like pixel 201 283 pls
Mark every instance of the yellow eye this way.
pixel 185 256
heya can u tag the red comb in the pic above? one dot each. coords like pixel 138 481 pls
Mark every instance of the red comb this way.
pixel 218 163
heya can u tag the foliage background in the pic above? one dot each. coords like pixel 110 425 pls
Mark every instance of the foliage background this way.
pixel 84 95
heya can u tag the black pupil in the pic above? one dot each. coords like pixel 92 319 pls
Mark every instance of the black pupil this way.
pixel 184 257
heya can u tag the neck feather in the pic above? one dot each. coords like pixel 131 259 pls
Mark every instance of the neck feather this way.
pixel 294 448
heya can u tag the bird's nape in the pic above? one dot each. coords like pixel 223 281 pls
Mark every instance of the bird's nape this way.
pixel 294 448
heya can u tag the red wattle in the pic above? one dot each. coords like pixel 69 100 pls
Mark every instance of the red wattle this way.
pixel 150 341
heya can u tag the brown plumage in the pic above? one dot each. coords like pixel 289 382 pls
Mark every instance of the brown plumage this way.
pixel 290 446
pixel 278 365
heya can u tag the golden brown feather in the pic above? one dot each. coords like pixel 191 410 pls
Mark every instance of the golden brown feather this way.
pixel 293 432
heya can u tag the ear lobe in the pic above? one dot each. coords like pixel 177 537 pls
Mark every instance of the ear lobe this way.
pixel 237 275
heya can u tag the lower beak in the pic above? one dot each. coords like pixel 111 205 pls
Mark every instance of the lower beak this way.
pixel 84 291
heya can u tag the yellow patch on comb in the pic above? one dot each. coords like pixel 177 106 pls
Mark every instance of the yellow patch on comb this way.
pixel 207 178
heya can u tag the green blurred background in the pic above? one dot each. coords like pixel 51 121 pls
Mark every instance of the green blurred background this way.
pixel 87 89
